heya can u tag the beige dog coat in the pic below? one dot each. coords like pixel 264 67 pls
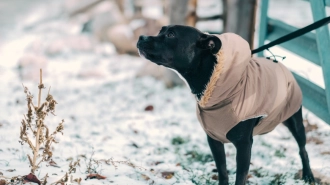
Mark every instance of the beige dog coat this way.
pixel 242 87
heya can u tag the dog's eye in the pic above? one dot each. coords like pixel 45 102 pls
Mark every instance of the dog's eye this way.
pixel 170 35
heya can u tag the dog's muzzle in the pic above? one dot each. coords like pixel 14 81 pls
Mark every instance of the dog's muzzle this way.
pixel 142 46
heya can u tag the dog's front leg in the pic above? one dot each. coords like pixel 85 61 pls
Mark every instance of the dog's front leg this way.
pixel 243 158
pixel 219 155
pixel 242 138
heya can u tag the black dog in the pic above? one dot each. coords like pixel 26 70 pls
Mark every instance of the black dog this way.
pixel 191 53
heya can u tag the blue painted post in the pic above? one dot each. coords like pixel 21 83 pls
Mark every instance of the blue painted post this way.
pixel 263 24
pixel 323 44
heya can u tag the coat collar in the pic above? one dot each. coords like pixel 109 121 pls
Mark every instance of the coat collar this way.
pixel 232 60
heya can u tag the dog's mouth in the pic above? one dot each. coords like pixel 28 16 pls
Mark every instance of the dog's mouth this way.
pixel 142 53
pixel 147 54
pixel 143 50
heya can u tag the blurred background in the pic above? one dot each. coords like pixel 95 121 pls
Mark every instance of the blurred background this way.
pixel 115 25
pixel 125 107
pixel 80 25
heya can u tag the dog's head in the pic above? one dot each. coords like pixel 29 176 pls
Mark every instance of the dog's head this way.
pixel 178 47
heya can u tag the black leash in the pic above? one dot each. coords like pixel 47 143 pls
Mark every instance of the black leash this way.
pixel 294 34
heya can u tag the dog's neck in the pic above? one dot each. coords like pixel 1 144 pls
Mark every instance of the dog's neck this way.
pixel 200 76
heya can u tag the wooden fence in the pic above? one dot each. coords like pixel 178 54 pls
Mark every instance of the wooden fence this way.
pixel 314 47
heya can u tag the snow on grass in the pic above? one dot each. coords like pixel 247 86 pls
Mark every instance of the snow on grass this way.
pixel 103 106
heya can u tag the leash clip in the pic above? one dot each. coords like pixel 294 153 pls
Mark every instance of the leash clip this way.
pixel 274 56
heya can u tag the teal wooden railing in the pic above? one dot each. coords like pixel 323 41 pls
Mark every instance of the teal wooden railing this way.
pixel 314 47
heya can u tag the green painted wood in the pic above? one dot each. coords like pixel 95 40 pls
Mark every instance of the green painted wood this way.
pixel 313 47
pixel 313 98
pixel 323 43
pixel 327 2
pixel 304 45
pixel 263 24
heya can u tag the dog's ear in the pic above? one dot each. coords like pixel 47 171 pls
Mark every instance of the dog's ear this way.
pixel 209 42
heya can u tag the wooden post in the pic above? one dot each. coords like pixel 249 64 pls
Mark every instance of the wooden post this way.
pixel 191 18
pixel 178 15
pixel 240 18
pixel 323 45
pixel 263 25
pixel 178 11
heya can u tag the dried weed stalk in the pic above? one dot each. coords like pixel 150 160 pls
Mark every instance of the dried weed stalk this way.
pixel 93 165
pixel 115 163
pixel 33 124
pixel 72 169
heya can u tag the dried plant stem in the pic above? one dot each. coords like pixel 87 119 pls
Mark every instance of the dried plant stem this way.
pixel 34 121
pixel 40 87
pixel 36 151
pixel 28 123
pixel 39 162
pixel 72 169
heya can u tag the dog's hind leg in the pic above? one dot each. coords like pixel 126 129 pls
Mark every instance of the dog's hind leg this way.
pixel 219 155
pixel 296 126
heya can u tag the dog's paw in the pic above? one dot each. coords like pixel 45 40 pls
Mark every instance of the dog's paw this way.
pixel 309 178
pixel 223 182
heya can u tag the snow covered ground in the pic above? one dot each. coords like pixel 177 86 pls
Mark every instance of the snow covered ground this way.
pixel 104 108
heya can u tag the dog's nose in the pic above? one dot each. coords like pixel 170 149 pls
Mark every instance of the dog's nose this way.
pixel 141 40
pixel 143 37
